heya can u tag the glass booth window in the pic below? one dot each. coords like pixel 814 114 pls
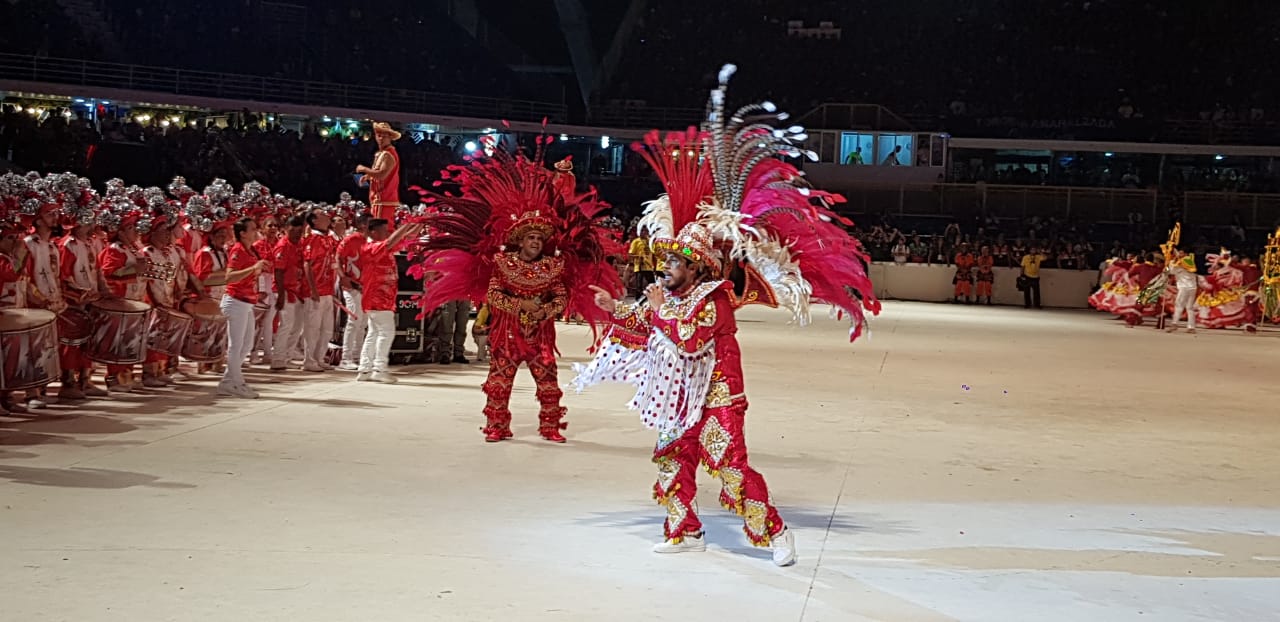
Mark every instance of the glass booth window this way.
pixel 896 149
pixel 856 148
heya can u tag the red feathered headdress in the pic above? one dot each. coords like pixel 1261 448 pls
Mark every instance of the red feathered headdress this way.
pixel 499 199
pixel 729 194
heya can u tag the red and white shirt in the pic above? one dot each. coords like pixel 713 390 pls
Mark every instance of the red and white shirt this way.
pixel 43 268
pixel 13 284
pixel 165 292
pixel 79 264
pixel 114 258
pixel 209 261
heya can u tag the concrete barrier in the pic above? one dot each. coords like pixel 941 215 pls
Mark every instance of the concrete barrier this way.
pixel 932 283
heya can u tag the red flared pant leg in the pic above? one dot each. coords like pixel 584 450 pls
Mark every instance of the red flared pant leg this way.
pixel 545 377
pixel 497 387
pixel 718 443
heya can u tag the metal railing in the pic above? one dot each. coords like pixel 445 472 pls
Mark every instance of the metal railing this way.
pixel 854 116
pixel 270 90
pixel 966 201
pixel 646 117
pixel 1221 208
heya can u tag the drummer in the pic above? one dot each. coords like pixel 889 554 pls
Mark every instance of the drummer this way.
pixel 120 268
pixel 162 293
pixel 210 266
pixel 45 289
pixel 81 284
pixel 13 288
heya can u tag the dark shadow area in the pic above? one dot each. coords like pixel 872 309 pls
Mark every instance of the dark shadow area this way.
pixel 77 477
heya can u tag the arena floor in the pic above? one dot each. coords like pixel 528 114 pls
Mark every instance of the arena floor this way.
pixel 965 463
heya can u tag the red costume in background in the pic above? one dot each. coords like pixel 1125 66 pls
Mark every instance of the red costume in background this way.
pixel 963 279
pixel 986 276
pixel 516 338
pixel 466 256
pixel 384 186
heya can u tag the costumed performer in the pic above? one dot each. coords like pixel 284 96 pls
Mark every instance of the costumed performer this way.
pixel 724 187
pixel 1221 300
pixel 510 239
pixel 1183 271
pixel 383 177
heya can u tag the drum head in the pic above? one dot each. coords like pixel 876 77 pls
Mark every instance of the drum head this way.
pixel 121 305
pixel 18 320
pixel 174 312
pixel 203 308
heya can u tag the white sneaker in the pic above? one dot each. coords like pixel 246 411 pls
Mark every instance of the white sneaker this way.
pixel 237 390
pixel 383 377
pixel 784 548
pixel 364 376
pixel 690 544
pixel 348 366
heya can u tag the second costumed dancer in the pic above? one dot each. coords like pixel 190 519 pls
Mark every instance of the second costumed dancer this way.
pixel 510 238
pixel 728 198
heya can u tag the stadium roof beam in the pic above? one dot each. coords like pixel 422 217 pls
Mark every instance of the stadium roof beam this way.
pixel 577 34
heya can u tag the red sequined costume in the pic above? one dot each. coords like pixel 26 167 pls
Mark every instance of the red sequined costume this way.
pixel 694 334
pixel 466 256
pixel 518 337
pixel 727 196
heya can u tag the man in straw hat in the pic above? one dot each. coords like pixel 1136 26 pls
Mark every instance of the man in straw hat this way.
pixel 384 177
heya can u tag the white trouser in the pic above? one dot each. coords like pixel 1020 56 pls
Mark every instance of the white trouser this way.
pixel 266 330
pixel 317 330
pixel 377 342
pixel 1185 301
pixel 240 330
pixel 291 321
pixel 357 326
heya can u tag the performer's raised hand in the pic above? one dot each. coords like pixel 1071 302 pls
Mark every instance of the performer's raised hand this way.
pixel 604 299
pixel 655 294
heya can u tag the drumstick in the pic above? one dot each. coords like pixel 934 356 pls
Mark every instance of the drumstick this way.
pixel 344 309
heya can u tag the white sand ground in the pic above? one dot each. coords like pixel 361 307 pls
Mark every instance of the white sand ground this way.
pixel 1089 472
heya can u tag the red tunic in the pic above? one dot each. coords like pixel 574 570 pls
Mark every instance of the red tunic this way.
pixel 384 194
pixel 514 333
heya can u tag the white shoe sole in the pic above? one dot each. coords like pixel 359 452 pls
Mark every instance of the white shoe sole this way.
pixel 684 547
